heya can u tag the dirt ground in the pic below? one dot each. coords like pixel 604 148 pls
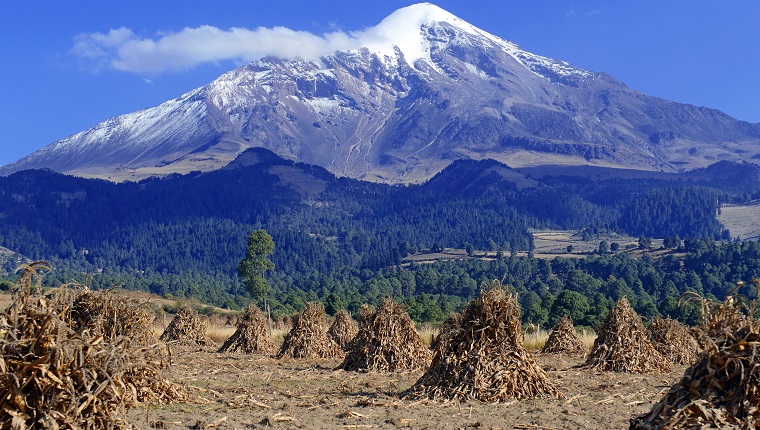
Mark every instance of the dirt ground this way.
pixel 237 391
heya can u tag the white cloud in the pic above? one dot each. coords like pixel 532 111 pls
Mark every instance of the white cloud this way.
pixel 121 49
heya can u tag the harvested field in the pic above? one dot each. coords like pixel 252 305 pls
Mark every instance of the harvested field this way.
pixel 673 340
pixel 252 334
pixel 237 391
pixel 187 327
pixel 720 389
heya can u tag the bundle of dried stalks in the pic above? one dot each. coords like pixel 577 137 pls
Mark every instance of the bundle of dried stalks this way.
pixel 386 342
pixel 673 340
pixel 232 319
pixel 447 330
pixel 284 323
pixel 484 359
pixel 721 389
pixel 106 313
pixel 564 340
pixel 53 377
pixel 623 346
pixel 343 328
pixel 186 327
pixel 308 337
pixel 252 334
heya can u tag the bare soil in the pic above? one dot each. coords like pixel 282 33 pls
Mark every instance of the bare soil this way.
pixel 237 391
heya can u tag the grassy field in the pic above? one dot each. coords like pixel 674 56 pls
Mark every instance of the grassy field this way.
pixel 742 220
pixel 548 244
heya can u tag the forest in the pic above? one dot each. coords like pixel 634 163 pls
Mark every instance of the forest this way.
pixel 342 240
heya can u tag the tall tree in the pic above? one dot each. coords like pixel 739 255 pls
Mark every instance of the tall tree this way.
pixel 256 262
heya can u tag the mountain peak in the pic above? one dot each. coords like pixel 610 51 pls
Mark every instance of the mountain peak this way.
pixel 405 29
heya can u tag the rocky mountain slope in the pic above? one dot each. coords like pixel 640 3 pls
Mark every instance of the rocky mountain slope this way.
pixel 402 109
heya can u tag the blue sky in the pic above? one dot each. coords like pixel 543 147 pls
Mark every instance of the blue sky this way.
pixel 61 72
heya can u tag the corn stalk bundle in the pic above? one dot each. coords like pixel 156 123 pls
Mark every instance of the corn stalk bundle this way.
pixel 484 359
pixel 186 327
pixel 447 330
pixel 284 322
pixel 252 334
pixel 673 340
pixel 232 320
pixel 308 337
pixel 564 340
pixel 53 377
pixel 387 342
pixel 623 346
pixel 722 389
pixel 343 328
pixel 106 313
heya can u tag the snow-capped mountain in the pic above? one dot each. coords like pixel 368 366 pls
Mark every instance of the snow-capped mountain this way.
pixel 426 89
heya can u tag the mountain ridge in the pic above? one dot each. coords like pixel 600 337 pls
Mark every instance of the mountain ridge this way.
pixel 400 110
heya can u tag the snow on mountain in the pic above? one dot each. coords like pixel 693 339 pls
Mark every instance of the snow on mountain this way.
pixel 425 88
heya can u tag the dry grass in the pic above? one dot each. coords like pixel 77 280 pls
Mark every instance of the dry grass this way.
pixel 536 339
pixel 427 332
pixel 218 334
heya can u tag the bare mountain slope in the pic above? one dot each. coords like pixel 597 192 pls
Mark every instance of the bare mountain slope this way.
pixel 403 109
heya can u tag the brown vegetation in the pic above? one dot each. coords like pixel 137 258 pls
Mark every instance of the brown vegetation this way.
pixel 483 358
pixel 448 328
pixel 386 342
pixel 56 372
pixel 721 389
pixel 187 327
pixel 564 340
pixel 308 337
pixel 673 340
pixel 343 328
pixel 252 334
pixel 623 346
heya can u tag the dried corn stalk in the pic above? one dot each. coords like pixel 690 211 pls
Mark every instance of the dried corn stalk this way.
pixel 564 340
pixel 721 390
pixel 623 346
pixel 107 314
pixel 186 327
pixel 343 328
pixel 673 340
pixel 448 329
pixel 386 342
pixel 252 334
pixel 308 337
pixel 53 377
pixel 484 358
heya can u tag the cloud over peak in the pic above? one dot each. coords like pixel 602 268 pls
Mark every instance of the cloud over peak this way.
pixel 121 49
